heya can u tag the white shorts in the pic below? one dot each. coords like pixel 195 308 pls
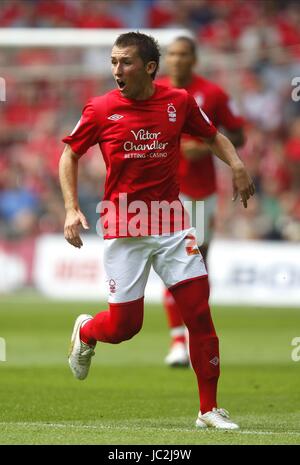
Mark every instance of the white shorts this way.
pixel 127 262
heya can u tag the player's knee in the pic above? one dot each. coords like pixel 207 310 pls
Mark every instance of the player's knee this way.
pixel 196 310
pixel 196 315
pixel 192 298
pixel 126 320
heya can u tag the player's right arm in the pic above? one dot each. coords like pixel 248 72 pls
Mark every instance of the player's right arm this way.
pixel 85 135
pixel 68 175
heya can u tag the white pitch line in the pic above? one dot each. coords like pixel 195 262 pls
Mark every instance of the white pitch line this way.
pixel 128 428
pixel 294 433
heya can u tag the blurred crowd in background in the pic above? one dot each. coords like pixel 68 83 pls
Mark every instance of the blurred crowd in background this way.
pixel 251 48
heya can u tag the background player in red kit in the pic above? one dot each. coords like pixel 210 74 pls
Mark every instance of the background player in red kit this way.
pixel 197 174
pixel 138 128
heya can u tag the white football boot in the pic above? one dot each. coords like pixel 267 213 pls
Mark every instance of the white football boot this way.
pixel 218 418
pixel 80 354
pixel 178 355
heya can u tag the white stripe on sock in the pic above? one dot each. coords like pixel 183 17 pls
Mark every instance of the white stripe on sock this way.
pixel 178 331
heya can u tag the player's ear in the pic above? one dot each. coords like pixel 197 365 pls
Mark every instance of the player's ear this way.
pixel 151 67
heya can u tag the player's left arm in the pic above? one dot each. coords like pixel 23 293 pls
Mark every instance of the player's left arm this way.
pixel 198 124
pixel 228 117
pixel 223 148
pixel 236 137
pixel 196 149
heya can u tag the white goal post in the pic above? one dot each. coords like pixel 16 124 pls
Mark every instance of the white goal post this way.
pixel 98 43
pixel 71 37
pixel 95 45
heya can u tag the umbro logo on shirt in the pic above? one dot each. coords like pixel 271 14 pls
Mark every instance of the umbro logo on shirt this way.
pixel 214 361
pixel 115 117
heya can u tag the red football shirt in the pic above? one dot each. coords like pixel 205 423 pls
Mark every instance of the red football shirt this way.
pixel 139 141
pixel 198 177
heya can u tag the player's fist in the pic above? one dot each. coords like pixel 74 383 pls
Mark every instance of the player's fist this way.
pixel 74 219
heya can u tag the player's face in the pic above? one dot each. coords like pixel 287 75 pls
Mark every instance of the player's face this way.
pixel 180 60
pixel 129 71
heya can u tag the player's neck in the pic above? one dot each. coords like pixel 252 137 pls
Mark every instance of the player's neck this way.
pixel 146 92
pixel 182 81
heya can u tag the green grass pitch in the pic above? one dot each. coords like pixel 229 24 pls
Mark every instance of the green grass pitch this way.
pixel 130 397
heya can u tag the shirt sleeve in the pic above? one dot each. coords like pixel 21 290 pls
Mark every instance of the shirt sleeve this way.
pixel 197 122
pixel 86 132
pixel 227 114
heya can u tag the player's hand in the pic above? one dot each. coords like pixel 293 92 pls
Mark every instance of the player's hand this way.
pixel 74 219
pixel 242 184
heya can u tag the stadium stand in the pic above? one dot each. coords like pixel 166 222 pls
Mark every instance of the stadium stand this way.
pixel 251 48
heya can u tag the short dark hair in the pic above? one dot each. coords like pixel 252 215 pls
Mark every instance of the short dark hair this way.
pixel 147 46
pixel 191 42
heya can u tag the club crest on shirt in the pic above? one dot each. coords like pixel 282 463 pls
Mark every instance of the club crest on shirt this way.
pixel 171 113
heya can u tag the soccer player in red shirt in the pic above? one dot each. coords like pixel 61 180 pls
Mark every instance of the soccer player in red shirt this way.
pixel 197 174
pixel 138 128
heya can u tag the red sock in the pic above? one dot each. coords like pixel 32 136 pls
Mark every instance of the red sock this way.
pixel 120 323
pixel 192 299
pixel 175 321
pixel 176 339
